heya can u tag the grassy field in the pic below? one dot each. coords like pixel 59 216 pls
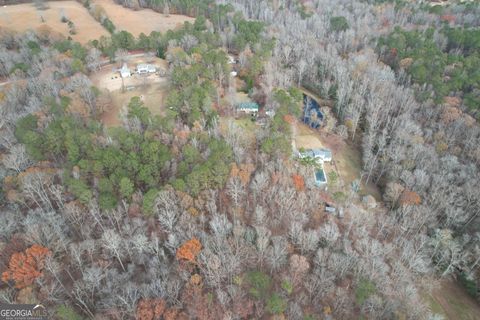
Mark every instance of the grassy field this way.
pixel 152 95
pixel 144 20
pixel 245 123
pixel 307 138
pixel 23 17
pixel 452 302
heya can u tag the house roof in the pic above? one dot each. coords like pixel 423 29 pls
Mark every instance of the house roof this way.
pixel 145 66
pixel 317 153
pixel 247 105
pixel 322 153
pixel 307 153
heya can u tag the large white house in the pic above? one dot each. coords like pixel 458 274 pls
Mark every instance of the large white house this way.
pixel 321 155
pixel 146 68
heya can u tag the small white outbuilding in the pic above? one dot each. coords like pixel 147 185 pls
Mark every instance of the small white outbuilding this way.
pixel 125 71
pixel 231 59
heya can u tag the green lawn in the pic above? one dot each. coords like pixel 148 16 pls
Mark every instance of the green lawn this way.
pixel 435 307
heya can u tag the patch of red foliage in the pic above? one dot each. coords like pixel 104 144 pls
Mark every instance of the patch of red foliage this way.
pixel 298 182
pixel 289 118
pixel 25 267
pixel 189 250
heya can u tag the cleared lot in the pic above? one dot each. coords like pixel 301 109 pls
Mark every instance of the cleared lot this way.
pixel 109 77
pixel 347 161
pixel 144 20
pixel 23 17
pixel 151 88
pixel 152 95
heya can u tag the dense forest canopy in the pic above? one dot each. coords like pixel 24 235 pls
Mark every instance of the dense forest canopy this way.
pixel 445 62
pixel 200 212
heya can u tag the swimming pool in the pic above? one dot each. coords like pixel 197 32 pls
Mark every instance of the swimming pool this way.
pixel 320 177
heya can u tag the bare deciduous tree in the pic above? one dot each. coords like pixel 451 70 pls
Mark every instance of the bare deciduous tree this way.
pixel 17 159
pixel 114 244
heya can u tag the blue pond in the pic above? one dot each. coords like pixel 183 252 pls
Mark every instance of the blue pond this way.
pixel 311 112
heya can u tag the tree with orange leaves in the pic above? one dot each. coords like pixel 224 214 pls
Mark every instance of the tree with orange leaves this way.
pixel 244 172
pixel 298 182
pixel 410 198
pixel 289 118
pixel 189 250
pixel 25 267
pixel 150 309
pixel 174 314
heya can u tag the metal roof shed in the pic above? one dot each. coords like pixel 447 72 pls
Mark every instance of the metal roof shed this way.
pixel 248 107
